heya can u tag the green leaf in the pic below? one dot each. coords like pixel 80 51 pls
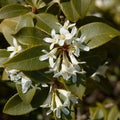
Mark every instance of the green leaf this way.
pixel 69 11
pixel 30 36
pixel 5 75
pixel 28 96
pixel 5 2
pixel 25 21
pixel 78 88
pixel 28 60
pixel 29 2
pixel 39 76
pixel 81 6
pixel 99 55
pixel 40 97
pixel 113 114
pixel 8 28
pixel 98 113
pixel 13 10
pixel 98 34
pixel 105 85
pixel 3 56
pixel 46 22
pixel 36 3
pixel 15 106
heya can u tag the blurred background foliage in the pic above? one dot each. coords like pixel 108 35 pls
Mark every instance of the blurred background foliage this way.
pixel 102 98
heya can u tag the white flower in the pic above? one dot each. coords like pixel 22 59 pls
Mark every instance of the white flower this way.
pixel 64 69
pixel 48 102
pixel 67 24
pixel 100 71
pixel 72 34
pixel 72 58
pixel 14 75
pixel 64 36
pixel 53 40
pixel 77 43
pixel 60 107
pixel 26 83
pixel 68 96
pixel 56 64
pixel 19 78
pixel 74 99
pixel 15 49
pixel 68 69
pixel 49 55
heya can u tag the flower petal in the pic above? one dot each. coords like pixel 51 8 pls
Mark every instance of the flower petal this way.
pixel 51 62
pixel 48 40
pixel 11 48
pixel 58 113
pixel 77 52
pixel 74 78
pixel 71 25
pixel 43 57
pixel 85 48
pixel 12 54
pixel 19 48
pixel 26 83
pixel 15 42
pixel 51 46
pixel 74 99
pixel 45 51
pixel 66 23
pixel 53 33
pixel 65 111
pixel 63 31
pixel 74 30
pixel 61 42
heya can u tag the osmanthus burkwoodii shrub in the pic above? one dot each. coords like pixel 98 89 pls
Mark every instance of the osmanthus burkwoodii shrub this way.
pixel 52 54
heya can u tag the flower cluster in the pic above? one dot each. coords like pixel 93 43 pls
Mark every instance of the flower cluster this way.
pixel 59 102
pixel 64 49
pixel 19 78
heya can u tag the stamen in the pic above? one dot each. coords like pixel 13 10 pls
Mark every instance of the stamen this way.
pixel 62 37
pixel 54 40
pixel 16 48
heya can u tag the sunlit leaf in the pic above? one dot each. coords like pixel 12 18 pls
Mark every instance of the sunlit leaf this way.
pixel 39 97
pixel 46 22
pixel 3 56
pixel 5 75
pixel 28 60
pixel 36 3
pixel 5 2
pixel 98 113
pixel 81 6
pixel 77 88
pixel 13 10
pixel 28 96
pixel 69 11
pixel 113 114
pixel 8 28
pixel 25 21
pixel 15 106
pixel 98 34
pixel 30 36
